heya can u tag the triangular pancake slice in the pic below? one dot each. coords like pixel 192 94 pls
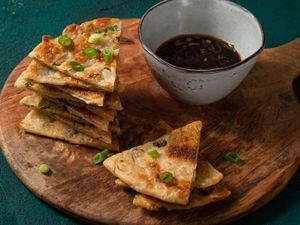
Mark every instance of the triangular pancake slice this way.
pixel 59 113
pixel 38 123
pixel 91 115
pixel 94 70
pixel 159 129
pixel 206 174
pixel 40 73
pixel 105 113
pixel 112 100
pixel 198 198
pixel 49 107
pixel 206 177
pixel 177 154
pixel 86 96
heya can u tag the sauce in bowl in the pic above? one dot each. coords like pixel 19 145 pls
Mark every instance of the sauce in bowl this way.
pixel 197 51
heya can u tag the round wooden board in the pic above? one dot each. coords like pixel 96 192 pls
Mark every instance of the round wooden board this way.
pixel 260 120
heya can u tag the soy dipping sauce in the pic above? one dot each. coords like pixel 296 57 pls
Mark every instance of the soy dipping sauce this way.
pixel 197 51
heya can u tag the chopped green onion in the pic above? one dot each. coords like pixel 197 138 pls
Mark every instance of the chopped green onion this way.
pixel 76 66
pixel 65 41
pixel 115 28
pixel 153 153
pixel 232 157
pixel 90 52
pixel 44 105
pixel 166 177
pixel 95 38
pixel 44 169
pixel 107 54
pixel 188 39
pixel 208 41
pixel 100 156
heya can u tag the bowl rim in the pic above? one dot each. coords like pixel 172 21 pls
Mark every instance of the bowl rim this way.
pixel 257 52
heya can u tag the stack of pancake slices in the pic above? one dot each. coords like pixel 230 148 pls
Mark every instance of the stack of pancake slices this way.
pixel 75 85
pixel 166 171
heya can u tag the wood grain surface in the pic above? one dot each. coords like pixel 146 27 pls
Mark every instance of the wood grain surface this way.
pixel 260 120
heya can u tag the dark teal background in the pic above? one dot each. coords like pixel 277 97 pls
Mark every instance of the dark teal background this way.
pixel 22 25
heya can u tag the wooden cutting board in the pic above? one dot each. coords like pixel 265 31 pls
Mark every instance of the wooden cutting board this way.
pixel 260 120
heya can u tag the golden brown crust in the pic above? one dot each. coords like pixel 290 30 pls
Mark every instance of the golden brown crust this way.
pixel 184 146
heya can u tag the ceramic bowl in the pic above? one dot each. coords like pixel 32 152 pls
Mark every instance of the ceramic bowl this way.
pixel 219 18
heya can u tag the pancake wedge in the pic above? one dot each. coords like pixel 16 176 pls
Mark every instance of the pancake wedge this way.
pixel 108 114
pixel 87 96
pixel 79 114
pixel 49 107
pixel 42 74
pixel 94 69
pixel 82 95
pixel 90 117
pixel 159 129
pixel 59 113
pixel 206 175
pixel 177 154
pixel 111 100
pixel 38 123
pixel 197 199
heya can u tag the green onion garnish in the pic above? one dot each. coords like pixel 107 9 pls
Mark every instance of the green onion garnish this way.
pixel 153 153
pixel 188 39
pixel 90 52
pixel 166 177
pixel 100 156
pixel 65 41
pixel 76 66
pixel 44 169
pixel 107 54
pixel 232 157
pixel 115 28
pixel 95 38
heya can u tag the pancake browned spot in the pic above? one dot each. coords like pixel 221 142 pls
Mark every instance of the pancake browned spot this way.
pixel 182 152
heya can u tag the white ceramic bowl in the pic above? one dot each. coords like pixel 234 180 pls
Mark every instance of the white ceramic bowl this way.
pixel 222 19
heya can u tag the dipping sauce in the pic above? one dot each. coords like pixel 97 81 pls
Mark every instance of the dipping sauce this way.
pixel 197 51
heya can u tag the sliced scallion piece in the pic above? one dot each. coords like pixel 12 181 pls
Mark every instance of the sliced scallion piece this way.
pixel 107 54
pixel 153 153
pixel 100 156
pixel 95 38
pixel 76 66
pixel 90 52
pixel 44 169
pixel 65 41
pixel 166 177
pixel 232 157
